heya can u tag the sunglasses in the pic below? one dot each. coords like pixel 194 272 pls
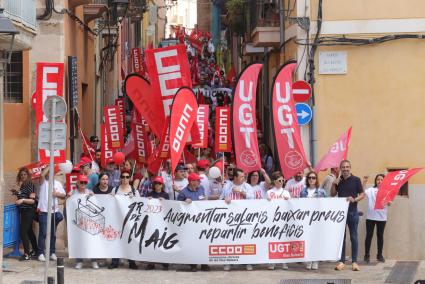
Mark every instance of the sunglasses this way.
pixel 312 177
pixel 127 177
pixel 83 182
pixel 280 180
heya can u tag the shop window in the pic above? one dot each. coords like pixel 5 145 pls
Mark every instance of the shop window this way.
pixel 13 83
pixel 404 190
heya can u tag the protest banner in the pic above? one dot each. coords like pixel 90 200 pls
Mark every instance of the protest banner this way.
pixel 71 181
pixel 183 114
pixel 49 83
pixel 223 132
pixel 285 123
pixel 36 168
pixel 141 143
pixel 113 127
pixel 206 232
pixel 390 185
pixel 243 120
pixel 106 151
pixel 336 153
pixel 120 103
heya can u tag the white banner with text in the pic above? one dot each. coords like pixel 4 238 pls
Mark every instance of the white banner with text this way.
pixel 206 232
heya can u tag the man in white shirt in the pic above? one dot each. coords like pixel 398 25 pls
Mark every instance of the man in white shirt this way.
pixel 202 167
pixel 173 187
pixel 57 217
pixel 296 184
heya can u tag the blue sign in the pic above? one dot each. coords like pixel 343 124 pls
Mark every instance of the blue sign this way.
pixel 304 113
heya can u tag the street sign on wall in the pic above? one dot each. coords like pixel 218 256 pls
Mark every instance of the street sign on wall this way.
pixel 301 90
pixel 304 113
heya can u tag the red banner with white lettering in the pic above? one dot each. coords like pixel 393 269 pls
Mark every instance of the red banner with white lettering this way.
pixel 120 103
pixel 137 61
pixel 336 153
pixel 202 122
pixel 106 151
pixel 146 101
pixel 183 114
pixel 223 132
pixel 49 83
pixel 164 145
pixel 113 126
pixel 141 143
pixel 243 120
pixel 36 168
pixel 169 70
pixel 286 129
pixel 389 187
pixel 71 182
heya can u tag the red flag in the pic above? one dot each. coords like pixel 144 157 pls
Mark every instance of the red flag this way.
pixel 188 156
pixel 183 115
pixel 202 122
pixel 36 168
pixel 120 103
pixel 88 148
pixel 336 153
pixel 106 152
pixel 113 126
pixel 244 124
pixel 164 145
pixel 388 189
pixel 141 143
pixel 286 130
pixel 49 83
pixel 223 138
pixel 147 103
pixel 137 60
pixel 71 181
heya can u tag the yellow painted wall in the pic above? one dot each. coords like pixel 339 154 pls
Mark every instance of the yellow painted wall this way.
pixel 17 144
pixel 366 9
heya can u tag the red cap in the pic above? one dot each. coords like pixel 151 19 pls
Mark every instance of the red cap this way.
pixel 158 180
pixel 203 164
pixel 193 176
pixel 84 161
pixel 83 178
pixel 110 161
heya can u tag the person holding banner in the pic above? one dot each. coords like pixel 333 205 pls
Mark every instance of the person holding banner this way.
pixel 350 187
pixel 329 179
pixel 237 189
pixel 202 167
pixel 127 190
pixel 296 184
pixel 375 217
pixel 103 186
pixel 173 187
pixel 278 192
pixel 259 188
pixel 112 172
pixel 24 189
pixel 193 192
pixel 57 217
pixel 312 190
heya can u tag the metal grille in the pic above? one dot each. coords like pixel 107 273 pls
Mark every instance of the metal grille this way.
pixel 403 272
pixel 13 85
pixel 316 281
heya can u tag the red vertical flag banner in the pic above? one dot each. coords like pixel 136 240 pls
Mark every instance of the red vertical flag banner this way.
pixel 113 126
pixel 202 122
pixel 164 145
pixel 120 103
pixel 106 151
pixel 243 120
pixel 336 153
pixel 71 182
pixel 49 83
pixel 137 61
pixel 183 115
pixel 146 101
pixel 290 149
pixel 141 143
pixel 389 187
pixel 223 138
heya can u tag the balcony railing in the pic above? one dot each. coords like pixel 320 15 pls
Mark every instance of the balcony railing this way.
pixel 264 13
pixel 21 11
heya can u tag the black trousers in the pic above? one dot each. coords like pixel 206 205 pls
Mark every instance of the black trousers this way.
pixel 380 227
pixel 25 230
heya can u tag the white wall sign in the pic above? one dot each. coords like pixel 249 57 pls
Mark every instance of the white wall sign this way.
pixel 332 62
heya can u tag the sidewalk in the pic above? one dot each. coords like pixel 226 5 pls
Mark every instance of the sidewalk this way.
pixel 33 270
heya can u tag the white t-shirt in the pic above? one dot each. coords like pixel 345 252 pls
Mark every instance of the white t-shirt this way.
pixel 180 184
pixel 259 191
pixel 310 192
pixel 228 191
pixel 214 188
pixel 372 214
pixel 43 196
pixel 205 182
pixel 95 167
pixel 295 187
pixel 275 193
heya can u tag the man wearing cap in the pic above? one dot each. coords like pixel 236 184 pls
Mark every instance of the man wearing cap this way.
pixel 174 187
pixel 202 167
pixel 85 166
pixel 193 192
pixel 112 172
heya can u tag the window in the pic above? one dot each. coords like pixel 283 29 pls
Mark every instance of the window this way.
pixel 13 83
pixel 404 189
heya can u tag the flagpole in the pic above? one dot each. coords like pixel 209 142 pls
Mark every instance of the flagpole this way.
pixel 223 168
pixel 199 154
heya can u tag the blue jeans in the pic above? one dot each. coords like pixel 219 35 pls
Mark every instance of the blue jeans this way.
pixel 42 231
pixel 352 222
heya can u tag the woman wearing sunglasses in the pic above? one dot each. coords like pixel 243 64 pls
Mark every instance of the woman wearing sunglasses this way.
pixel 127 190
pixel 278 191
pixel 312 190
pixel 24 190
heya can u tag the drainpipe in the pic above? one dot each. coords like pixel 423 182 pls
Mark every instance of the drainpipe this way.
pixel 282 29
pixel 215 23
